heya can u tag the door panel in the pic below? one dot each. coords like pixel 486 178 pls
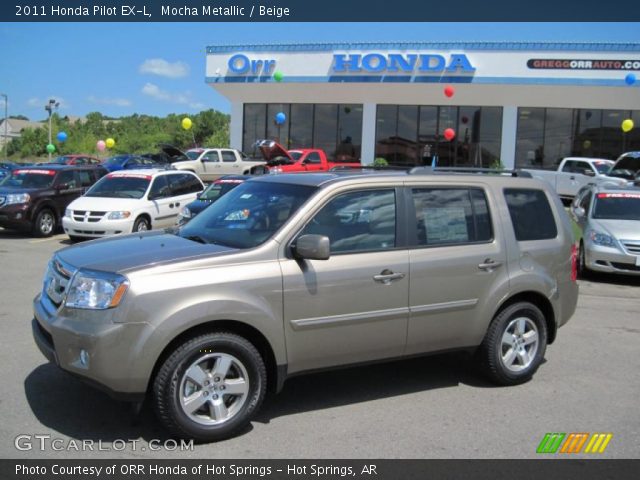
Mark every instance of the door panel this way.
pixel 352 307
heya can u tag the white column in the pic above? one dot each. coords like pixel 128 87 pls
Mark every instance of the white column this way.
pixel 235 127
pixel 368 133
pixel 509 128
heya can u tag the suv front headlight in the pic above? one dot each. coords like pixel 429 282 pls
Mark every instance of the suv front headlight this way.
pixel 602 239
pixel 96 290
pixel 17 198
pixel 185 212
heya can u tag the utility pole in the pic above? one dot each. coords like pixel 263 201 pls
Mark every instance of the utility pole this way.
pixel 50 107
pixel 5 144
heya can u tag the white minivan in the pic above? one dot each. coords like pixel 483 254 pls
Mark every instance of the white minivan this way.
pixel 130 201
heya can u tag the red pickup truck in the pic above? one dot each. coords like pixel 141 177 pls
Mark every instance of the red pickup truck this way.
pixel 280 160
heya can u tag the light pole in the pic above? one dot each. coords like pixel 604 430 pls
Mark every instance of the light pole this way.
pixel 5 144
pixel 50 107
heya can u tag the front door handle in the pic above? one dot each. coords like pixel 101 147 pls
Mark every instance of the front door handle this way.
pixel 387 276
pixel 489 265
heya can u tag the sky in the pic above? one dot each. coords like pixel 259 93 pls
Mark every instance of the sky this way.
pixel 159 68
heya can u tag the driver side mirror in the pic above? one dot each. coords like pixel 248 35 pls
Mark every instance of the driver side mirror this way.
pixel 579 212
pixel 312 247
pixel 589 173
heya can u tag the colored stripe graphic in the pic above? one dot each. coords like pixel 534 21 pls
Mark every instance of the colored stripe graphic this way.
pixel 550 443
pixel 598 443
pixel 574 442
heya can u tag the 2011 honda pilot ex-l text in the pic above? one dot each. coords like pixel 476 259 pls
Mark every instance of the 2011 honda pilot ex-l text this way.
pixel 298 272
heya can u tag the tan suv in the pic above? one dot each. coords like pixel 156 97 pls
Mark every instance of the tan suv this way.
pixel 299 272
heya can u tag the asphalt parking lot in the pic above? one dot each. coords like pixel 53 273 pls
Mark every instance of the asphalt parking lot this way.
pixel 433 407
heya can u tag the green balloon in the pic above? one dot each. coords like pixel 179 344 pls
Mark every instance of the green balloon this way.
pixel 51 148
pixel 278 76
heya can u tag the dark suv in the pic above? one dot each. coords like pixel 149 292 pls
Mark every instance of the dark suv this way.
pixel 35 197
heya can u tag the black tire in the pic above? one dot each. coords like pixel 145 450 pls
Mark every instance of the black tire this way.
pixel 583 270
pixel 75 239
pixel 171 382
pixel 492 351
pixel 45 223
pixel 141 225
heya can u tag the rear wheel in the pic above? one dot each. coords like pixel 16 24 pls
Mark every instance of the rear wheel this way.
pixel 210 387
pixel 515 344
pixel 141 225
pixel 45 223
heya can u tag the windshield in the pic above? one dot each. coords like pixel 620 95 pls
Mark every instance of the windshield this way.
pixel 602 167
pixel 60 160
pixel 193 154
pixel 628 163
pixel 219 188
pixel 120 186
pixel 117 160
pixel 29 178
pixel 248 215
pixel 617 206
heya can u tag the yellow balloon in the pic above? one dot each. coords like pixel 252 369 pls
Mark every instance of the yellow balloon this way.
pixel 110 142
pixel 186 123
pixel 627 125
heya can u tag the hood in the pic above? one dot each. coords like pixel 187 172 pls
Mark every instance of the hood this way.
pixel 105 204
pixel 130 252
pixel 619 229
pixel 174 152
pixel 274 153
pixel 8 189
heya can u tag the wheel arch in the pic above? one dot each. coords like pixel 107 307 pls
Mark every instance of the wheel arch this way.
pixel 275 375
pixel 144 215
pixel 540 301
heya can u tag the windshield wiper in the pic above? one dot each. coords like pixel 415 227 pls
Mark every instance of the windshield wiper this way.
pixel 196 238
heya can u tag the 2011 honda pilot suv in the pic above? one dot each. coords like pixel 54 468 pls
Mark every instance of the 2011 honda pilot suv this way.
pixel 292 273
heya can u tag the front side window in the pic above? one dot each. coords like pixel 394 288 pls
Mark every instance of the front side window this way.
pixel 67 179
pixel 160 188
pixel 357 222
pixel 313 158
pixel 211 157
pixel 531 214
pixel 450 216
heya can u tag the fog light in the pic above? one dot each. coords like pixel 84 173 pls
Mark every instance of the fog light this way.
pixel 84 358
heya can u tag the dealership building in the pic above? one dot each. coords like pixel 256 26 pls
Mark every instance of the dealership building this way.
pixel 521 104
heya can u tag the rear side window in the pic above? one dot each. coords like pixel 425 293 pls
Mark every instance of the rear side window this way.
pixel 228 156
pixel 450 216
pixel 531 214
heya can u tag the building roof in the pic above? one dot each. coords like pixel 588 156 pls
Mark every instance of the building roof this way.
pixel 487 46
pixel 16 125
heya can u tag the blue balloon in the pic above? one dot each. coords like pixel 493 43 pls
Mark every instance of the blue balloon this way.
pixel 62 136
pixel 630 79
pixel 280 118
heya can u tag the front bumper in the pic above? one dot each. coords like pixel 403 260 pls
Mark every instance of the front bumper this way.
pixel 610 260
pixel 108 361
pixel 15 216
pixel 103 228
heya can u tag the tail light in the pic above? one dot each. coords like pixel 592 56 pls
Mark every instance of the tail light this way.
pixel 574 263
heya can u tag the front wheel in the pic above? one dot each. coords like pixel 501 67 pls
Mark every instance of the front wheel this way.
pixel 210 387
pixel 44 223
pixel 583 270
pixel 141 225
pixel 515 344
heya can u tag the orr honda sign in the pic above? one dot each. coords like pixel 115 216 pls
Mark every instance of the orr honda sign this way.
pixel 404 63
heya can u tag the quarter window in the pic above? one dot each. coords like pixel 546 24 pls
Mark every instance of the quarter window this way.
pixel 450 216
pixel 357 222
pixel 531 214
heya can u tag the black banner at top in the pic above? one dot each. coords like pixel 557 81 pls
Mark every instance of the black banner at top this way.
pixel 317 11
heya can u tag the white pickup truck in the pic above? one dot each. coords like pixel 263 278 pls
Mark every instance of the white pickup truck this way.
pixel 212 163
pixel 573 173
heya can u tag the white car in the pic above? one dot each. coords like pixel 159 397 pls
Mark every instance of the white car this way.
pixel 129 201
pixel 212 163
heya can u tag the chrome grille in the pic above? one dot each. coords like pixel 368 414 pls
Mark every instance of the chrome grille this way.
pixel 57 280
pixel 87 216
pixel 632 246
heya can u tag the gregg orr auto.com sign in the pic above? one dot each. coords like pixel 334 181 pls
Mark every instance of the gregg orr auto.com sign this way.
pixel 575 64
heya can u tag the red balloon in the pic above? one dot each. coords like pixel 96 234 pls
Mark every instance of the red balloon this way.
pixel 449 91
pixel 449 134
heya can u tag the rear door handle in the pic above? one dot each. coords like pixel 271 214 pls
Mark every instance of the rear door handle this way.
pixel 489 265
pixel 387 276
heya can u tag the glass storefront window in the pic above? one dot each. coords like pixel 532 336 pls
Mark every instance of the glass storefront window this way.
pixel 301 129
pixel 557 138
pixel 349 133
pixel 530 138
pixel 326 129
pixel 279 133
pixel 254 126
pixel 427 134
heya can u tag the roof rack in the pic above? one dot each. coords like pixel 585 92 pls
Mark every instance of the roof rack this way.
pixel 349 168
pixel 487 171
